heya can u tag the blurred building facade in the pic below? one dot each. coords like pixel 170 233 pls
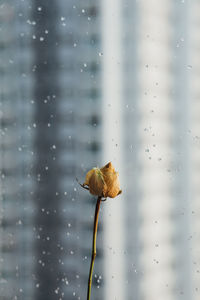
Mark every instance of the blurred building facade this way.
pixel 156 65
pixel 16 154
pixel 84 83
pixel 68 117
pixel 51 117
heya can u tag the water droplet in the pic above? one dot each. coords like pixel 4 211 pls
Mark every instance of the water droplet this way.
pixel 56 291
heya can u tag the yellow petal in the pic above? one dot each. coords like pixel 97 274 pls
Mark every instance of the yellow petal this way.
pixel 112 181
pixel 108 167
pixel 95 180
pixel 88 176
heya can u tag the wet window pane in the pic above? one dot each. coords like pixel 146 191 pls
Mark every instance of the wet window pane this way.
pixel 84 83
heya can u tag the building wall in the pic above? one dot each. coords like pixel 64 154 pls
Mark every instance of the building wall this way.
pixel 158 67
pixel 67 95
pixel 51 134
pixel 16 154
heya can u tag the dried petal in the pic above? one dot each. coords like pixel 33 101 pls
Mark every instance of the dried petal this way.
pixel 112 181
pixel 88 176
pixel 94 179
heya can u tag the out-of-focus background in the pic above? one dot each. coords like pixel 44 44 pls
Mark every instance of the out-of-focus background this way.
pixel 83 83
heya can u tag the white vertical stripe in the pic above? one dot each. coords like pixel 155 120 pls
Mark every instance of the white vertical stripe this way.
pixel 112 137
pixel 194 71
pixel 155 153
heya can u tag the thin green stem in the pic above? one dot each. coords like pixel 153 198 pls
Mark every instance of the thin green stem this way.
pixel 94 251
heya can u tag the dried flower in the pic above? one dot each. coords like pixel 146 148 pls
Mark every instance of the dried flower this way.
pixel 103 182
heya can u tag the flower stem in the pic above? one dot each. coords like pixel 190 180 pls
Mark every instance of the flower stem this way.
pixel 94 251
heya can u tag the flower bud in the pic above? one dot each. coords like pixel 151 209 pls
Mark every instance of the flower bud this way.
pixel 103 182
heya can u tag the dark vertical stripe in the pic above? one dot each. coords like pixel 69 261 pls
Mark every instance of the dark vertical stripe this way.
pixel 46 92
